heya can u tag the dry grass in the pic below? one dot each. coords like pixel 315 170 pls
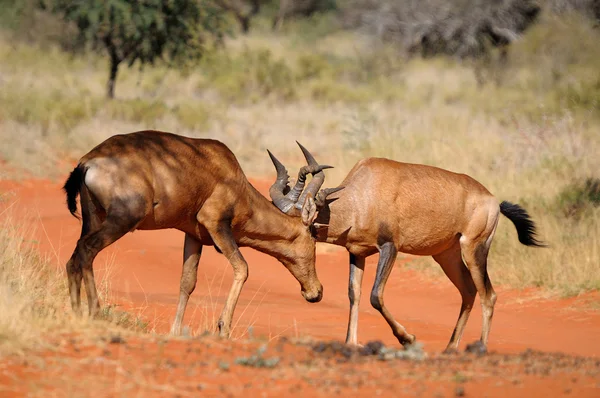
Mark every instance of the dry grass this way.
pixel 526 138
pixel 34 299
pixel 34 302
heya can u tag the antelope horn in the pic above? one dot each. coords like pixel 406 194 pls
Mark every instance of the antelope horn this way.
pixel 323 194
pixel 279 186
pixel 310 158
pixel 313 168
pixel 318 176
pixel 295 192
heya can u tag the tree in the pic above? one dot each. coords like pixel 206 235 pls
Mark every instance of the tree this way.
pixel 142 31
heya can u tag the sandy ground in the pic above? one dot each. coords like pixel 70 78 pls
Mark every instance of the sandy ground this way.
pixel 539 346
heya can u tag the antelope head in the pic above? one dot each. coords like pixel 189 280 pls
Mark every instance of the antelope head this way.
pixel 304 203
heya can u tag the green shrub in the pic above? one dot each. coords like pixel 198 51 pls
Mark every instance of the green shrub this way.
pixel 192 116
pixel 579 197
pixel 583 96
pixel 46 109
pixel 311 66
pixel 136 110
pixel 331 91
pixel 248 76
pixel 313 28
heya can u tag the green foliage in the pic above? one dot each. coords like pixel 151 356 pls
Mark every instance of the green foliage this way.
pixel 10 12
pixel 581 96
pixel 253 74
pixel 193 116
pixel 47 109
pixel 310 66
pixel 59 111
pixel 136 110
pixel 328 91
pixel 143 31
pixel 579 197
pixel 564 58
pixel 312 28
pixel 249 76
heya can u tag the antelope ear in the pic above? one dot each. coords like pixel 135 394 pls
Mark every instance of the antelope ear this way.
pixel 309 210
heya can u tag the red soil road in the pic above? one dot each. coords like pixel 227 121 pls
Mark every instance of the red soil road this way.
pixel 145 266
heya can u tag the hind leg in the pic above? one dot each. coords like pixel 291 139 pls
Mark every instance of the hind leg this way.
pixel 475 256
pixel 122 217
pixel 192 249
pixel 454 268
pixel 91 219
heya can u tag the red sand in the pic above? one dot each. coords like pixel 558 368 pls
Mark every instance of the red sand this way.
pixel 144 270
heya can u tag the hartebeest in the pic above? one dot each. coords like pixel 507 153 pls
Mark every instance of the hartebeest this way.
pixel 155 180
pixel 390 207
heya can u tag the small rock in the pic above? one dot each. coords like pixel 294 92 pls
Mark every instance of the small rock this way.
pixel 476 348
pixel 459 391
pixel 224 366
pixel 372 348
pixel 116 339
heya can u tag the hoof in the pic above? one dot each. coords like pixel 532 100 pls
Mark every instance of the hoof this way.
pixel 476 348
pixel 450 351
pixel 355 345
pixel 223 331
pixel 408 341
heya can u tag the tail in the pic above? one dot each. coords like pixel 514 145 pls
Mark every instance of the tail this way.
pixel 72 188
pixel 523 223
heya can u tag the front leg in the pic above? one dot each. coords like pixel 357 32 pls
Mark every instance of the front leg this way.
pixel 387 257
pixel 357 267
pixel 222 236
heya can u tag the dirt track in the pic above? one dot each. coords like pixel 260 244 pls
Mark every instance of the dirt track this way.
pixel 144 276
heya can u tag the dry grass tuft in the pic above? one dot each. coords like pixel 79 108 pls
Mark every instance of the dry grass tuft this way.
pixel 34 299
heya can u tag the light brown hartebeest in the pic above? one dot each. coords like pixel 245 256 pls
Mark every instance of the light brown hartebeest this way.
pixel 390 207
pixel 155 180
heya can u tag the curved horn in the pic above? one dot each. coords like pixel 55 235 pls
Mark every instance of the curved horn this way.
pixel 323 194
pixel 279 186
pixel 318 176
pixel 295 192
pixel 313 168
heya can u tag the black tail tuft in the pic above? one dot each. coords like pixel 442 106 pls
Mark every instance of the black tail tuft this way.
pixel 72 188
pixel 523 223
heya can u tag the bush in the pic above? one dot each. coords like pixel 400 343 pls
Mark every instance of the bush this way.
pixel 248 76
pixel 430 27
pixel 46 109
pixel 579 197
pixel 581 97
pixel 136 110
pixel 192 116
pixel 313 66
